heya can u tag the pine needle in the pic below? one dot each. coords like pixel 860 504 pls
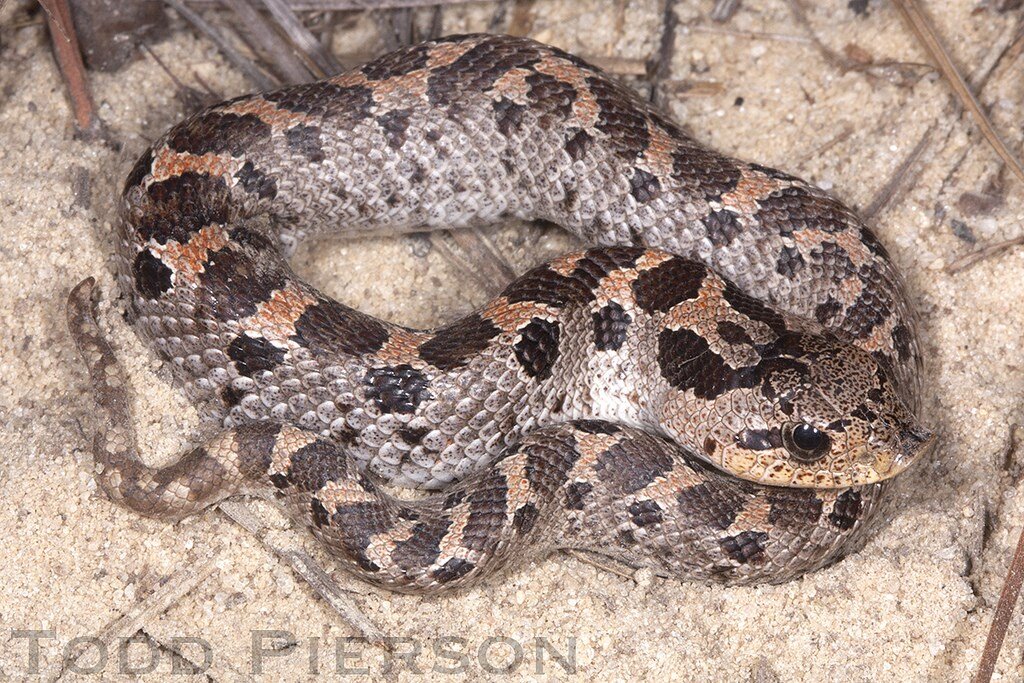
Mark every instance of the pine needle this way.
pixel 929 39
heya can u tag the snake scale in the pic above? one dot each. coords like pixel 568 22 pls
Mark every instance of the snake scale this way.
pixel 718 389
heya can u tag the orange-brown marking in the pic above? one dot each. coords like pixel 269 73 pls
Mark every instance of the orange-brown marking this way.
pixel 752 188
pixel 269 113
pixel 412 85
pixel 401 347
pixel 616 286
pixel 585 109
pixel 189 259
pixel 447 53
pixel 349 79
pixel 667 486
pixel 512 84
pixel 275 318
pixel 753 516
pixel 564 265
pixel 170 164
pixel 651 259
pixel 509 317
pixel 335 494
pixel 657 158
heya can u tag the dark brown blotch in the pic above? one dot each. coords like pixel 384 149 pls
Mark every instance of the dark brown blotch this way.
pixel 733 333
pixel 508 116
pixel 707 505
pixel 826 311
pixel 576 494
pixel 323 99
pixel 687 362
pixel 660 288
pixel 413 435
pixel 486 513
pixel 256 182
pixel 543 285
pixel 216 132
pixel 253 355
pixel 551 95
pixel 140 170
pixel 355 525
pixel 395 123
pixel 453 569
pixel 645 513
pixel 611 323
pixel 256 441
pixel 328 327
pixel 704 171
pixel 620 118
pixel 233 283
pixel 396 388
pixel 455 344
pixel 578 144
pixel 626 470
pixel 397 63
pixel 793 508
pixel 846 510
pixel 315 464
pixel 596 426
pixel 722 227
pixel 753 309
pixel 423 546
pixel 746 547
pixel 644 186
pixel 537 348
pixel 789 262
pixel 181 206
pixel 152 277
pixel 305 140
pixel 525 518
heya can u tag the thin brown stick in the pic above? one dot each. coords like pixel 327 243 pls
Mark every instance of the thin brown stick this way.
pixel 309 570
pixel 263 36
pixel 231 53
pixel 1004 612
pixel 899 180
pixel 603 563
pixel 335 5
pixel 983 254
pixel 752 35
pixel 302 38
pixel 69 59
pixel 926 34
pixel 145 610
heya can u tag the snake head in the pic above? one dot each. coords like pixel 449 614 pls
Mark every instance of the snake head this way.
pixel 813 412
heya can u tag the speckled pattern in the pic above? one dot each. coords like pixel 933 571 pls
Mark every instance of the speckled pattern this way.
pixel 814 389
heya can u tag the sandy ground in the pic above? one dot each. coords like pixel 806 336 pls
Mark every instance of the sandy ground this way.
pixel 914 605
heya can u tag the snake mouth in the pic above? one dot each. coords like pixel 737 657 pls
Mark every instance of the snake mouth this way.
pixel 911 444
pixel 902 450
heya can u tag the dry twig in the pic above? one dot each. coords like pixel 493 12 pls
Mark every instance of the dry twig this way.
pixel 309 570
pixel 69 59
pixel 925 32
pixel 900 179
pixel 985 253
pixel 264 37
pixel 1004 612
pixel 143 611
pixel 241 62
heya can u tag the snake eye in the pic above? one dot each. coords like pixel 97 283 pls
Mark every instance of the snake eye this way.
pixel 807 443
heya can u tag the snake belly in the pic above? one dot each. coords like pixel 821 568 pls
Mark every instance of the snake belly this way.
pixel 713 284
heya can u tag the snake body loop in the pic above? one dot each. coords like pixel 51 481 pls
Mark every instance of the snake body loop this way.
pixel 719 388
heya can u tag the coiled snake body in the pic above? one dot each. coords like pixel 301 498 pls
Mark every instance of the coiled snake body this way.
pixel 717 390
